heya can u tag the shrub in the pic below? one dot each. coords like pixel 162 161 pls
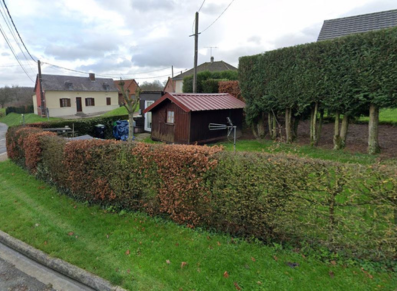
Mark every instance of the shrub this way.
pixel 350 209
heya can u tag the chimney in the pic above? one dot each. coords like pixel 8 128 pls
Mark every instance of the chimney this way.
pixel 92 76
pixel 212 59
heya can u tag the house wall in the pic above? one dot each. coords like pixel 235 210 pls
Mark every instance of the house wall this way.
pixel 178 132
pixel 170 87
pixel 53 102
pixel 34 97
pixel 199 131
pixel 178 86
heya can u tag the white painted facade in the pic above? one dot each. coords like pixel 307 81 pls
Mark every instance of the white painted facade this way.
pixel 55 110
pixel 179 86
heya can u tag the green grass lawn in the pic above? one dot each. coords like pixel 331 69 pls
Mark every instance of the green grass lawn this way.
pixel 144 253
pixel 118 112
pixel 302 151
pixel 13 119
pixel 385 115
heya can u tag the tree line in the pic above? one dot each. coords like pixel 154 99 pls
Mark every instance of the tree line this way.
pixel 345 78
pixel 16 96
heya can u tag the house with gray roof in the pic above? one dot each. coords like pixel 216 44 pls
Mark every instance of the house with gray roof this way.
pixel 339 27
pixel 71 95
pixel 211 66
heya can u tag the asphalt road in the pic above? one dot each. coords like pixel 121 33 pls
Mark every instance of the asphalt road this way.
pixel 3 150
pixel 19 273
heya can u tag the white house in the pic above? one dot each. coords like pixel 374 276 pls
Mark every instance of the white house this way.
pixel 70 95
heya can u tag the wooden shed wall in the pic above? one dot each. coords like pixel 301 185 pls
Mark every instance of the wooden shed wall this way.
pixel 200 120
pixel 170 133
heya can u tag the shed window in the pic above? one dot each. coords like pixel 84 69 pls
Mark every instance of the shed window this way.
pixel 170 116
pixel 64 102
pixel 89 102
pixel 108 101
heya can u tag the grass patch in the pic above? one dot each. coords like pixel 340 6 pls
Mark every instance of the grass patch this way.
pixel 118 112
pixel 387 115
pixel 132 249
pixel 302 151
pixel 13 119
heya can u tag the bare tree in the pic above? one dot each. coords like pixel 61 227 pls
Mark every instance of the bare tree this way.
pixel 131 102
pixel 5 95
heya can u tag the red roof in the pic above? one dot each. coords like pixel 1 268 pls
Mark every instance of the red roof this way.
pixel 200 102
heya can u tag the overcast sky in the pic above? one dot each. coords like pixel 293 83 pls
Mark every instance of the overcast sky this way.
pixel 128 38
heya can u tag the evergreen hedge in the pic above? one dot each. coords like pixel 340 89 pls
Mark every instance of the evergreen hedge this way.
pixel 345 76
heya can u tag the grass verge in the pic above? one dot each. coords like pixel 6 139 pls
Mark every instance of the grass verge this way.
pixel 13 119
pixel 121 111
pixel 386 115
pixel 302 151
pixel 144 253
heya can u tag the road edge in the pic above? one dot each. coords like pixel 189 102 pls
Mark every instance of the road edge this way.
pixel 60 266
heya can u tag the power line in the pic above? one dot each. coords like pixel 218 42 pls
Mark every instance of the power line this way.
pixel 9 25
pixel 201 6
pixel 5 5
pixel 195 18
pixel 218 17
pixel 13 52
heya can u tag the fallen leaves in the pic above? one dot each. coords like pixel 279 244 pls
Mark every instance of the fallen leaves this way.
pixel 70 233
pixel 253 259
pixel 168 262
pixel 226 274
pixel 275 258
pixel 367 274
pixel 183 264
pixel 331 274
pixel 237 286
pixel 127 252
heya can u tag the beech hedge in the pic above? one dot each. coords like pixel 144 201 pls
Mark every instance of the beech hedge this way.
pixel 347 208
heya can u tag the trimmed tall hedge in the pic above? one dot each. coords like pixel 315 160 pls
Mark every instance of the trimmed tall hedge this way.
pixel 348 209
pixel 345 76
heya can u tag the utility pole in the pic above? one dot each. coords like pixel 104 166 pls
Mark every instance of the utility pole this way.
pixel 43 107
pixel 196 33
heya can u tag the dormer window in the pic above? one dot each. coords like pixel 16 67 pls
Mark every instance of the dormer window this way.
pixel 106 86
pixel 69 85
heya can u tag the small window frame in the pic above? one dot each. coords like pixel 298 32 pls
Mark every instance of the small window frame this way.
pixel 108 101
pixel 89 101
pixel 65 102
pixel 170 117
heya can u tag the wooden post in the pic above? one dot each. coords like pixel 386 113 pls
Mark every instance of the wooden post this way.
pixel 195 53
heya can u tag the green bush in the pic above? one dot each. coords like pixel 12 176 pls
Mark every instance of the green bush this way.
pixel 347 208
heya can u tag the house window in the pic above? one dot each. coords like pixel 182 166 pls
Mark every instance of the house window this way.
pixel 64 102
pixel 89 102
pixel 170 116
pixel 108 101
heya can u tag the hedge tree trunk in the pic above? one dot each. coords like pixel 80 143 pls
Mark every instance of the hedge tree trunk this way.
pixel 373 132
pixel 315 125
pixel 288 130
pixel 343 130
pixel 261 126
pixel 295 124
pixel 337 138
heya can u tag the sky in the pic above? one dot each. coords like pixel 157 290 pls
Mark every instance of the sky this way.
pixel 143 39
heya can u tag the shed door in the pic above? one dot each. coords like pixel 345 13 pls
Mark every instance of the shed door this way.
pixel 148 116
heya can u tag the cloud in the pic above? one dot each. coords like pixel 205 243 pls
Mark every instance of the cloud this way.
pixel 153 5
pixel 309 34
pixel 255 39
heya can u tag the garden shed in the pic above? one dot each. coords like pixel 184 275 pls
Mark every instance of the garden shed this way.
pixel 184 118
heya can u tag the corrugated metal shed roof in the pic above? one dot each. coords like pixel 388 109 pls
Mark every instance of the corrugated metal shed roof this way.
pixel 200 102
pixel 357 24
pixel 72 83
